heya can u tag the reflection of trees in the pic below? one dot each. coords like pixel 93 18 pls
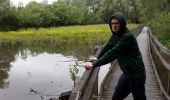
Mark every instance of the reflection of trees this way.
pixel 74 47
pixel 7 55
pixel 77 48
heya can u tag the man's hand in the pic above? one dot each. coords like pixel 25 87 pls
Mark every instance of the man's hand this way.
pixel 92 59
pixel 88 65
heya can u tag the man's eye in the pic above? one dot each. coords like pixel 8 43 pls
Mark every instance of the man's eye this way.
pixel 115 23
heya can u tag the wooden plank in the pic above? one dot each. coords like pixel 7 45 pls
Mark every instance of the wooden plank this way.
pixel 89 89
pixel 105 79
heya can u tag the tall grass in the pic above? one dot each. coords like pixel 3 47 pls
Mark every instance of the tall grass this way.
pixel 85 33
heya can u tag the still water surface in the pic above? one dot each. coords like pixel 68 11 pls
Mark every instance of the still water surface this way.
pixel 47 74
pixel 28 75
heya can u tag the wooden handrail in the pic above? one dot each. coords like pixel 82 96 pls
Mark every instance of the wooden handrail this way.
pixel 137 30
pixel 85 83
pixel 85 86
pixel 156 45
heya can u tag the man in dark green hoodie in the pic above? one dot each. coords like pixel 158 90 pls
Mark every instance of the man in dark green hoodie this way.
pixel 123 46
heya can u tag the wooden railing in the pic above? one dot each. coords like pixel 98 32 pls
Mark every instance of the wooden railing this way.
pixel 137 30
pixel 161 67
pixel 87 87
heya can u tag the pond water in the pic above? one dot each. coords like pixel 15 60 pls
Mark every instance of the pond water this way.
pixel 27 73
pixel 41 70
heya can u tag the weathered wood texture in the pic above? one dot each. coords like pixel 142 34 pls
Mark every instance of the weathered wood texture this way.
pixel 153 91
pixel 87 87
pixel 160 65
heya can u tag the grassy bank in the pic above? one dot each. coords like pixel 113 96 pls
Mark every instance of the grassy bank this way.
pixel 87 33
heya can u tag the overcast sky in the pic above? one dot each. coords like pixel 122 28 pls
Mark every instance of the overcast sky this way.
pixel 15 2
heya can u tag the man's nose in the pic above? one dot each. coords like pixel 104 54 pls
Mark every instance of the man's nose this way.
pixel 113 25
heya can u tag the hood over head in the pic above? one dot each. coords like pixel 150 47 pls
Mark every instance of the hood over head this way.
pixel 122 20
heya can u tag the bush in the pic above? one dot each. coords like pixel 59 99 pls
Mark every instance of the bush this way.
pixel 160 27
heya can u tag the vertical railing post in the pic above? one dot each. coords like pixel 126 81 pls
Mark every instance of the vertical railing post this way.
pixel 168 81
pixel 95 90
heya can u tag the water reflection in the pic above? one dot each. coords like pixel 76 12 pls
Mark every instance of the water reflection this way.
pixel 7 55
pixel 37 72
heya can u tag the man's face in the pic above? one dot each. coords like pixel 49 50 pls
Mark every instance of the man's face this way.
pixel 115 25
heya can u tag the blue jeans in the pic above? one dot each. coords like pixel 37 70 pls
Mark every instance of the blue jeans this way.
pixel 130 84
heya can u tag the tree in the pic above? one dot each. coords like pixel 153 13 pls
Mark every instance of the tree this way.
pixel 93 5
pixel 8 19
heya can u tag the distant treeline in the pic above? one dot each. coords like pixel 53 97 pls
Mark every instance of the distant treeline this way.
pixel 64 12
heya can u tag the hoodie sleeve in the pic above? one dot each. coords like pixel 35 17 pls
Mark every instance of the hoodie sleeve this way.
pixel 105 48
pixel 114 52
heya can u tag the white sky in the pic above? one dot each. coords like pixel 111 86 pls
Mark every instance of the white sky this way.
pixel 15 2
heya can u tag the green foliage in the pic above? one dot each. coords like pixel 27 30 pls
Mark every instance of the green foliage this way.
pixel 160 27
pixel 130 8
pixel 73 75
pixel 63 12
pixel 34 15
pixel 156 14
pixel 8 19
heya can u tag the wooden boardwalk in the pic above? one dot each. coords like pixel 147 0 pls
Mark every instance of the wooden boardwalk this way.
pixel 152 88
